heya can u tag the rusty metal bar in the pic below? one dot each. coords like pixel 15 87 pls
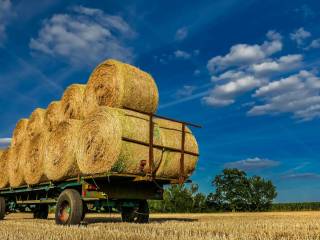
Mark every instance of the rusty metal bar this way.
pixel 183 141
pixel 151 129
pixel 159 146
pixel 166 118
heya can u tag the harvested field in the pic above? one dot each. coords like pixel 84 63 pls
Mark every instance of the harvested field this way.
pixel 246 226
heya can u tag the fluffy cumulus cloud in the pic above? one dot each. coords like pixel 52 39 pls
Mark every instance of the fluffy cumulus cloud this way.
pixel 181 33
pixel 5 15
pixel 297 94
pixel 252 164
pixel 84 36
pixel 277 84
pixel 244 54
pixel 245 68
pixel 299 36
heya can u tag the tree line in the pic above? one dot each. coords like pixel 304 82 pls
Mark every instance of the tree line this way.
pixel 234 191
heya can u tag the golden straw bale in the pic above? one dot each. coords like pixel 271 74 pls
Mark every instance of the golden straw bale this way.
pixel 135 126
pixel 60 153
pixel 4 158
pixel 117 84
pixel 99 141
pixel 72 102
pixel 54 115
pixel 18 154
pixel 33 166
pixel 172 136
pixel 19 131
pixel 36 122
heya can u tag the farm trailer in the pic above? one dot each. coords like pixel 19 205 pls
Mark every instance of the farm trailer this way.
pixel 74 197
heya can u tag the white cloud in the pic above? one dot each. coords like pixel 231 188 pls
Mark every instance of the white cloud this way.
pixel 244 54
pixel 252 164
pixel 299 36
pixel 5 15
pixel 181 33
pixel 186 91
pixel 5 141
pixel 301 176
pixel 315 43
pixel 85 36
pixel 283 64
pixel 297 94
pixel 223 95
pixel 182 54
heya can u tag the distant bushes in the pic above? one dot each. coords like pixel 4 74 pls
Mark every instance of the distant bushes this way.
pixel 303 206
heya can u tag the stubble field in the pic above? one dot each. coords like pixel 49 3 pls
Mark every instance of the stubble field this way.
pixel 246 226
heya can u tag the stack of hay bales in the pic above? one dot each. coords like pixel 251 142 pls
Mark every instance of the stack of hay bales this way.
pixel 84 133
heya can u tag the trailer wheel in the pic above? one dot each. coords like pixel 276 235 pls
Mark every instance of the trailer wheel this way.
pixel 41 211
pixel 136 215
pixel 2 208
pixel 84 211
pixel 69 208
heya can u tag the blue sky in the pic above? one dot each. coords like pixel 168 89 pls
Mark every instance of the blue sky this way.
pixel 248 71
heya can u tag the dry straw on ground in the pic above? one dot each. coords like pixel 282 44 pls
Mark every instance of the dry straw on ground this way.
pixel 60 152
pixel 117 84
pixel 33 165
pixel 54 115
pixel 4 157
pixel 36 122
pixel 172 137
pixel 72 102
pixel 224 226
pixel 99 141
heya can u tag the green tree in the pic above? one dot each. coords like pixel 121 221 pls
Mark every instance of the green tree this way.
pixel 262 192
pixel 235 191
pixel 180 198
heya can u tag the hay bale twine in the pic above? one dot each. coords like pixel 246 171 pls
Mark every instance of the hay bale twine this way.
pixel 18 154
pixel 72 102
pixel 19 131
pixel 33 166
pixel 134 157
pixel 54 115
pixel 99 141
pixel 36 122
pixel 4 158
pixel 172 137
pixel 117 84
pixel 60 152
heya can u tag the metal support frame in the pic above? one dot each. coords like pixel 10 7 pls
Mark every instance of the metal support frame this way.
pixel 183 141
pixel 151 157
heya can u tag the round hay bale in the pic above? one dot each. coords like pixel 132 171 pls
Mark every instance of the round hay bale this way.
pixel 33 166
pixel 4 158
pixel 72 102
pixel 19 131
pixel 117 84
pixel 36 122
pixel 99 141
pixel 18 154
pixel 134 158
pixel 54 115
pixel 60 152
pixel 172 137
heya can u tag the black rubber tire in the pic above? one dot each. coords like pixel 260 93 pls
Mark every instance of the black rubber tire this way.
pixel 2 208
pixel 70 201
pixel 84 211
pixel 41 212
pixel 136 215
